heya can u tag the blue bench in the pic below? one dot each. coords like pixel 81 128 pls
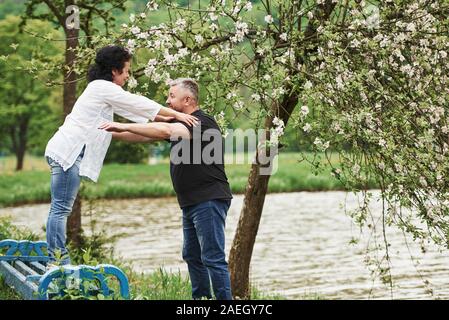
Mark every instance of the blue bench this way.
pixel 23 267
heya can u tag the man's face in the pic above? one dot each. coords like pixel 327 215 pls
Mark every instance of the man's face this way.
pixel 177 98
pixel 121 78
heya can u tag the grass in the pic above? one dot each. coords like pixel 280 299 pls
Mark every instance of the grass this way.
pixel 159 285
pixel 32 185
pixel 6 293
pixel 10 231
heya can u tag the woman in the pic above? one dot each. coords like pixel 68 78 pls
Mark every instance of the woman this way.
pixel 78 148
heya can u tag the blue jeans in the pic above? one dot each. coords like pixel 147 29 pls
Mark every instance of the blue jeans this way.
pixel 64 188
pixel 204 249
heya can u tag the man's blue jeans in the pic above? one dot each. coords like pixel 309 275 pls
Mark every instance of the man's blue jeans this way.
pixel 204 249
pixel 64 188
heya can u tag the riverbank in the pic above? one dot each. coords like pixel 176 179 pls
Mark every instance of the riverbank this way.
pixel 158 285
pixel 127 181
pixel 307 244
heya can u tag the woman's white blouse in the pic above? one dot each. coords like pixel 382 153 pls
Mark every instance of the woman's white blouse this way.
pixel 97 104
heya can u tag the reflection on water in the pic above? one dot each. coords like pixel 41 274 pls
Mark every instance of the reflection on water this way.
pixel 302 247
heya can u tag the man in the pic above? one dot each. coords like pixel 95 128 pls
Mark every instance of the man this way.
pixel 200 183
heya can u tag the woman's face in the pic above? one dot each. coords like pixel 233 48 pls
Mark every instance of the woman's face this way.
pixel 121 78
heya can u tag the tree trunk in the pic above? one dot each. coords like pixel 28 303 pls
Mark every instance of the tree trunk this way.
pixel 69 98
pixel 248 225
pixel 74 230
pixel 19 141
pixel 70 77
pixel 22 143
pixel 245 236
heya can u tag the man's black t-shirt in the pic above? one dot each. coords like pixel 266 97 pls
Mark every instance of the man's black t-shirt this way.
pixel 197 165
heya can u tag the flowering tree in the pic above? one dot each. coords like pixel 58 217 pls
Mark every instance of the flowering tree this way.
pixel 371 75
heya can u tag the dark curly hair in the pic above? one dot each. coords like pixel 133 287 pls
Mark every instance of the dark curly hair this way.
pixel 108 58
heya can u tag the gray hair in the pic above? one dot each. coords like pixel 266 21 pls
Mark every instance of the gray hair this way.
pixel 187 83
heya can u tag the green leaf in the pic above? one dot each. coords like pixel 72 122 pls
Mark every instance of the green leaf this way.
pixel 86 257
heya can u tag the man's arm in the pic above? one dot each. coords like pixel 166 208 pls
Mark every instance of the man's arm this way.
pixel 159 118
pixel 154 131
pixel 130 137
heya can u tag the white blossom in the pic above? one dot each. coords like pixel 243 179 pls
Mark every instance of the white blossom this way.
pixel 152 62
pixel 213 27
pixel 269 19
pixel 304 110
pixel 241 29
pixel 320 145
pixel 308 85
pixel 132 82
pixel 199 39
pixel 135 30
pixel 130 45
pixel 214 51
pixel 213 16
pixel 169 59
pixel 182 52
pixel 181 23
pixel 339 81
pixel 278 122
pixel 307 127
pixel 152 6
pixel 238 105
pixel 231 95
pixel 422 181
pixel 143 35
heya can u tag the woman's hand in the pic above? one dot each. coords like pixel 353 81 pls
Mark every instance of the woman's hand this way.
pixel 187 118
pixel 113 127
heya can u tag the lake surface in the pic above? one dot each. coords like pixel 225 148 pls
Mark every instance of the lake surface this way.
pixel 302 248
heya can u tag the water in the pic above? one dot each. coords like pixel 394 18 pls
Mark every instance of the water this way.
pixel 302 248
